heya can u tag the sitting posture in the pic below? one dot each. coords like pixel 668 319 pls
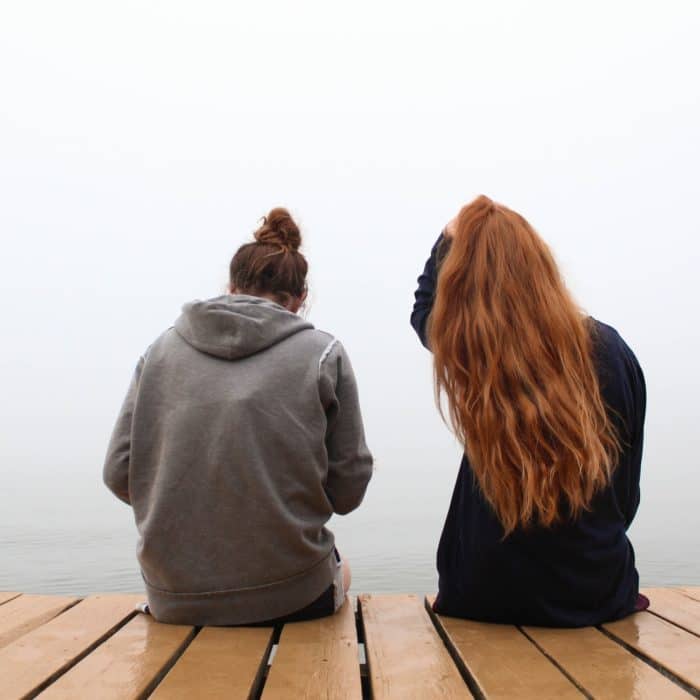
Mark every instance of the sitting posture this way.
pixel 239 437
pixel 549 405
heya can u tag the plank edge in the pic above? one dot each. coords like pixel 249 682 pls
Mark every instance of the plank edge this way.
pixel 656 665
pixel 257 687
pixel 689 593
pixel 13 596
pixel 467 676
pixel 43 685
pixel 675 623
pixel 168 665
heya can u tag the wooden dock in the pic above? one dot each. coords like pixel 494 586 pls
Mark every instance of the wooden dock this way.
pixel 389 647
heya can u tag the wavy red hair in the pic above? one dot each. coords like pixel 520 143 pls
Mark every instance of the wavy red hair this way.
pixel 513 356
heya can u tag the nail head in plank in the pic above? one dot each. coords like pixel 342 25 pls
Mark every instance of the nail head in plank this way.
pixel 667 645
pixel 503 662
pixel 602 667
pixel 675 607
pixel 24 613
pixel 39 656
pixel 406 657
pixel 126 665
pixel 220 662
pixel 317 659
pixel 7 595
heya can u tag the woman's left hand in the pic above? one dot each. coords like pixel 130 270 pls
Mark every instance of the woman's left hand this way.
pixel 449 230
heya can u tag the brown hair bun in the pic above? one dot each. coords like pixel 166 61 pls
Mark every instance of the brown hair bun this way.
pixel 278 228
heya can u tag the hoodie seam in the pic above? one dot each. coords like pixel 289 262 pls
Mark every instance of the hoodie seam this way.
pixel 244 589
pixel 324 355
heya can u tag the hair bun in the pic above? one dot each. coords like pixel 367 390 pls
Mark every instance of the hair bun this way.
pixel 280 229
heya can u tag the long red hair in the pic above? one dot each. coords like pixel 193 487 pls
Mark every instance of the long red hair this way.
pixel 514 357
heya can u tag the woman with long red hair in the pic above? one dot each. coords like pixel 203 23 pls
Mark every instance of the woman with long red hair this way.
pixel 549 405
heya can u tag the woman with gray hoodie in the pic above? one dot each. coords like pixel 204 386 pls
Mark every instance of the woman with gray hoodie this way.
pixel 239 437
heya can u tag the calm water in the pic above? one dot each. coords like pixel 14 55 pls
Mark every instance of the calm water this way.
pixel 69 535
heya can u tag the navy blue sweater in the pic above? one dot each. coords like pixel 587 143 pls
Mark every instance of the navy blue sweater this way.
pixel 577 573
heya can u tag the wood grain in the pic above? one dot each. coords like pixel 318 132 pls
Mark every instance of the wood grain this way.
pixel 691 591
pixel 603 667
pixel 406 657
pixel 502 661
pixel 221 662
pixel 7 595
pixel 41 655
pixel 675 607
pixel 24 613
pixel 317 659
pixel 126 666
pixel 668 645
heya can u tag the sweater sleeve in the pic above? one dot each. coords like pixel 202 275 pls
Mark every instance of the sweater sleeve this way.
pixel 635 432
pixel 349 459
pixel 425 293
pixel 116 467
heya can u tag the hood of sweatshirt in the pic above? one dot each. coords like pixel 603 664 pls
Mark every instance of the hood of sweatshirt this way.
pixel 236 325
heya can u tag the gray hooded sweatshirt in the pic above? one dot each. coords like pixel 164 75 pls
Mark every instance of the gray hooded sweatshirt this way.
pixel 239 437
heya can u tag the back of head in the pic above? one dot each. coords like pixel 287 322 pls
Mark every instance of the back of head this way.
pixel 271 265
pixel 513 355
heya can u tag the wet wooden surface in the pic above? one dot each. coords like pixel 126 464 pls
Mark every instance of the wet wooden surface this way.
pixel 406 657
pixel 395 647
pixel 675 607
pixel 691 592
pixel 39 657
pixel 22 614
pixel 7 595
pixel 503 662
pixel 662 642
pixel 220 663
pixel 125 665
pixel 601 666
pixel 317 659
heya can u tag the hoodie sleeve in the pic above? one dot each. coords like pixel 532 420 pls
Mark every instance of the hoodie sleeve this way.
pixel 425 294
pixel 116 468
pixel 349 459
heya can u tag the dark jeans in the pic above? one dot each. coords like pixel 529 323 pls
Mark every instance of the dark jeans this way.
pixel 323 606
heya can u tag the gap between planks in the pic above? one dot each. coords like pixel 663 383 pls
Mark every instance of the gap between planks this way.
pixel 406 656
pixel 675 607
pixel 6 596
pixel 32 662
pixel 501 661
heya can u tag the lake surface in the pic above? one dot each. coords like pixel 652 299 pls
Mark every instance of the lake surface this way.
pixel 67 534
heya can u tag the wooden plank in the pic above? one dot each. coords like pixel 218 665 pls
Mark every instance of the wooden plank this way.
pixel 221 662
pixel 406 657
pixel 127 665
pixel 667 645
pixel 317 659
pixel 691 591
pixel 675 607
pixel 502 661
pixel 24 613
pixel 7 595
pixel 605 669
pixel 36 658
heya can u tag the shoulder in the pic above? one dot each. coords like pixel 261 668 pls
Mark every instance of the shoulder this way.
pixel 615 359
pixel 608 341
pixel 163 341
pixel 324 346
pixel 316 340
